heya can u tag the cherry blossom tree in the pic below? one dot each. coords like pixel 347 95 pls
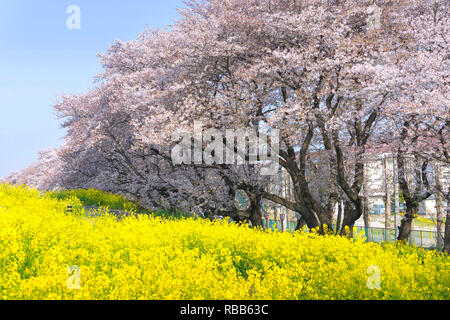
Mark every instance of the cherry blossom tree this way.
pixel 336 78
pixel 299 67
pixel 420 109
pixel 44 174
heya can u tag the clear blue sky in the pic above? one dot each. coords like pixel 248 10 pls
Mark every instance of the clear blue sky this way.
pixel 41 58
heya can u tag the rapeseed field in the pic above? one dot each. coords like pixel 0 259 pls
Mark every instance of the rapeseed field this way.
pixel 47 253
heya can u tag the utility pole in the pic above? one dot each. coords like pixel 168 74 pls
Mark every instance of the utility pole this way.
pixel 366 200
pixel 438 200
pixel 396 197
pixel 387 198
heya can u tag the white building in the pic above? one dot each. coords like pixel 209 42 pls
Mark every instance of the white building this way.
pixel 379 172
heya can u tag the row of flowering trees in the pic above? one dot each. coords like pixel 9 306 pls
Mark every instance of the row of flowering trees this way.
pixel 336 78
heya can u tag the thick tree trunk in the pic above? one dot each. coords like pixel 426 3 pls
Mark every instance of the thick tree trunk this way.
pixel 332 141
pixel 407 221
pixel 351 214
pixel 310 218
pixel 255 210
pixel 239 219
pixel 300 223
pixel 233 214
pixel 339 217
pixel 416 168
pixel 313 212
pixel 447 229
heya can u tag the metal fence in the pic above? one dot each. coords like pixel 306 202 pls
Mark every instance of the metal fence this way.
pixel 419 238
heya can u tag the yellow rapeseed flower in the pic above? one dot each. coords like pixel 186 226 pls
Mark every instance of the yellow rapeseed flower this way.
pixel 46 253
